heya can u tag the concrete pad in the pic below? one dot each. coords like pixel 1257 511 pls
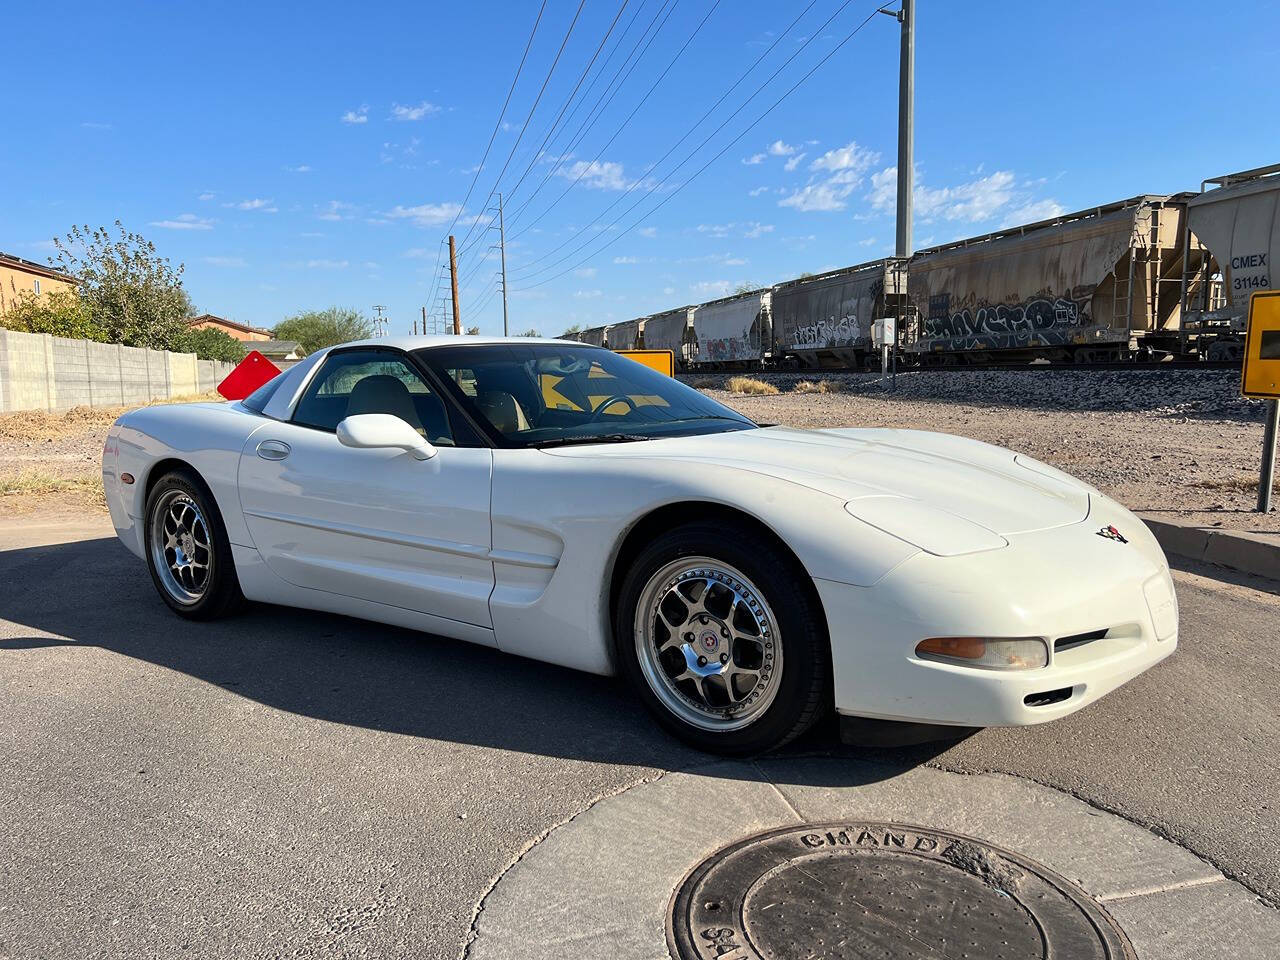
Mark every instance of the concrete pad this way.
pixel 1254 553
pixel 1104 854
pixel 1213 921
pixel 601 884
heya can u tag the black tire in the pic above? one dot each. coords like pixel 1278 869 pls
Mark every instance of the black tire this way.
pixel 221 593
pixel 803 694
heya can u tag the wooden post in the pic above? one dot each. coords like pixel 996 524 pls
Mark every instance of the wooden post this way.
pixel 453 277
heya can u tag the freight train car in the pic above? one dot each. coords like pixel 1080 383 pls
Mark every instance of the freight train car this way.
pixel 734 332
pixel 825 320
pixel 672 330
pixel 1099 284
pixel 596 336
pixel 1239 222
pixel 626 335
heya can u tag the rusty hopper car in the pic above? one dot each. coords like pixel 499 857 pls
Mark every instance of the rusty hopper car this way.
pixel 825 321
pixel 735 331
pixel 672 330
pixel 1093 285
pixel 1239 222
pixel 596 336
pixel 626 335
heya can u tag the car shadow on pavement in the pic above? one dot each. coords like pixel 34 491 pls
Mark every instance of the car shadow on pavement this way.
pixel 348 671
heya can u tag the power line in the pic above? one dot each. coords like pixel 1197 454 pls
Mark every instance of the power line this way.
pixel 724 96
pixel 722 152
pixel 543 89
pixel 496 126
pixel 595 115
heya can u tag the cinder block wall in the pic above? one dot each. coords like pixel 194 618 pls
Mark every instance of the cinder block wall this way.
pixel 41 372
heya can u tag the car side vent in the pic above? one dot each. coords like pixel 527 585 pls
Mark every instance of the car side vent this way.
pixel 1077 640
pixel 1047 697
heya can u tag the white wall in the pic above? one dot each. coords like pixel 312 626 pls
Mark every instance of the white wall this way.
pixel 42 372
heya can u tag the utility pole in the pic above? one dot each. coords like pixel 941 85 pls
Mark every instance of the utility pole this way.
pixel 906 122
pixel 424 320
pixel 379 322
pixel 453 278
pixel 502 251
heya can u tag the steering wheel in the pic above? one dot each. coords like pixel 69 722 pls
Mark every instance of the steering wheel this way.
pixel 616 398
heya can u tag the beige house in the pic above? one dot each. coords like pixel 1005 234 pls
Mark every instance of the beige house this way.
pixel 238 331
pixel 18 276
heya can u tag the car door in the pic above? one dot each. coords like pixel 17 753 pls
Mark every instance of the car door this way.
pixel 376 524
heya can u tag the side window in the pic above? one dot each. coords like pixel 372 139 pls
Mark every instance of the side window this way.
pixel 372 381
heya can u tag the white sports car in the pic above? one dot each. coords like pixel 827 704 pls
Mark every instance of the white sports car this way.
pixel 558 501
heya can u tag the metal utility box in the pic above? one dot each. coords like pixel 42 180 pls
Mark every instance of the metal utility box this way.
pixel 1260 375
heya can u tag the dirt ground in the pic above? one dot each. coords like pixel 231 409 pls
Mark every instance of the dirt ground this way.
pixel 1181 444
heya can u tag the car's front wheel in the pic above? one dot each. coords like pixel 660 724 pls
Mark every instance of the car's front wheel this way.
pixel 722 637
pixel 188 552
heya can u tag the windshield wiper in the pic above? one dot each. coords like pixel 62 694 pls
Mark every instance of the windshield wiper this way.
pixel 590 438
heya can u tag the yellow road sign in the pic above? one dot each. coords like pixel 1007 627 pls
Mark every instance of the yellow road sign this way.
pixel 664 361
pixel 1260 375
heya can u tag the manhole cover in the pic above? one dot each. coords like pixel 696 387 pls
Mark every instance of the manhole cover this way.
pixel 887 890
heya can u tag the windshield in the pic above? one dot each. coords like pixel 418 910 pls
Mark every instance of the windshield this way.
pixel 544 394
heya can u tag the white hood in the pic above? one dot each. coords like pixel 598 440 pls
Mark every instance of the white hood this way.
pixel 928 488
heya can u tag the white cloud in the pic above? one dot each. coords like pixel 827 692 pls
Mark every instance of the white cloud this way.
pixel 780 149
pixel 335 210
pixel 868 242
pixel 257 203
pixel 598 175
pixel 794 162
pixel 622 260
pixel 327 264
pixel 755 230
pixel 734 262
pixel 719 230
pixel 186 221
pixel 754 159
pixel 1032 211
pixel 711 288
pixel 849 157
pixel 426 214
pixel 205 196
pixel 423 109
pixel 225 261
pixel 419 253
pixel 757 191
pixel 821 196
pixel 588 294
pixel 585 272
pixel 648 231
pixel 356 116
pixel 884 190
pixel 668 291
pixel 300 168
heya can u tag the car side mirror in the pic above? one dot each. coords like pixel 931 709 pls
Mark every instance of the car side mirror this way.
pixel 379 431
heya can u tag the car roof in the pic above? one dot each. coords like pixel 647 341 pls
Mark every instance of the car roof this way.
pixel 427 342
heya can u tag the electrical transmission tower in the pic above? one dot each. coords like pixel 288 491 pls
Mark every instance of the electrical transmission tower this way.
pixel 380 322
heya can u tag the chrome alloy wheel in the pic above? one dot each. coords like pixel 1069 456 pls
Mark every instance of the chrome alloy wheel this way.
pixel 708 644
pixel 180 547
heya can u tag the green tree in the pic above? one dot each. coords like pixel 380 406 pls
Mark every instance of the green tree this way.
pixel 529 333
pixel 61 313
pixel 210 344
pixel 315 329
pixel 473 331
pixel 746 287
pixel 576 328
pixel 133 295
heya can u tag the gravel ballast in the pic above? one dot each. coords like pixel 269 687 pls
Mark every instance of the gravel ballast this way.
pixel 1179 444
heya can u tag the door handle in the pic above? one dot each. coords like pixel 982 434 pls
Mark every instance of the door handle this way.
pixel 273 449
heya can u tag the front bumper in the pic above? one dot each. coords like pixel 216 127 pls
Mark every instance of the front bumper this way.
pixel 1053 584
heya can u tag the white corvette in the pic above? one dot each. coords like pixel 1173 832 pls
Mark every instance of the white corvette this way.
pixel 558 501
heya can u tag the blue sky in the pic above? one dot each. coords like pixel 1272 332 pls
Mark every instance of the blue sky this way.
pixel 298 156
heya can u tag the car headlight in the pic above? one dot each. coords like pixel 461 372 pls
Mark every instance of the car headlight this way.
pixel 988 653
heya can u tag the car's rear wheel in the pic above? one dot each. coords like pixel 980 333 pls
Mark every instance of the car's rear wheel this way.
pixel 724 640
pixel 188 552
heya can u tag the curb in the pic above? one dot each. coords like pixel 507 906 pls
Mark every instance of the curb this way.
pixel 1256 554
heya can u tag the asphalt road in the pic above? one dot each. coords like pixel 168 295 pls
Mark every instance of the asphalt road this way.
pixel 295 784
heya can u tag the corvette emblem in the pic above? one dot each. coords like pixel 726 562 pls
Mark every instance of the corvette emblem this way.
pixel 1111 533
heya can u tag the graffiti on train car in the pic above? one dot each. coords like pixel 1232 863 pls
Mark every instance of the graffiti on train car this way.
pixel 1041 320
pixel 828 333
pixel 724 349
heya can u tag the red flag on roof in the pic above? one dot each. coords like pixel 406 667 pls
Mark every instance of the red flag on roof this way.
pixel 251 373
